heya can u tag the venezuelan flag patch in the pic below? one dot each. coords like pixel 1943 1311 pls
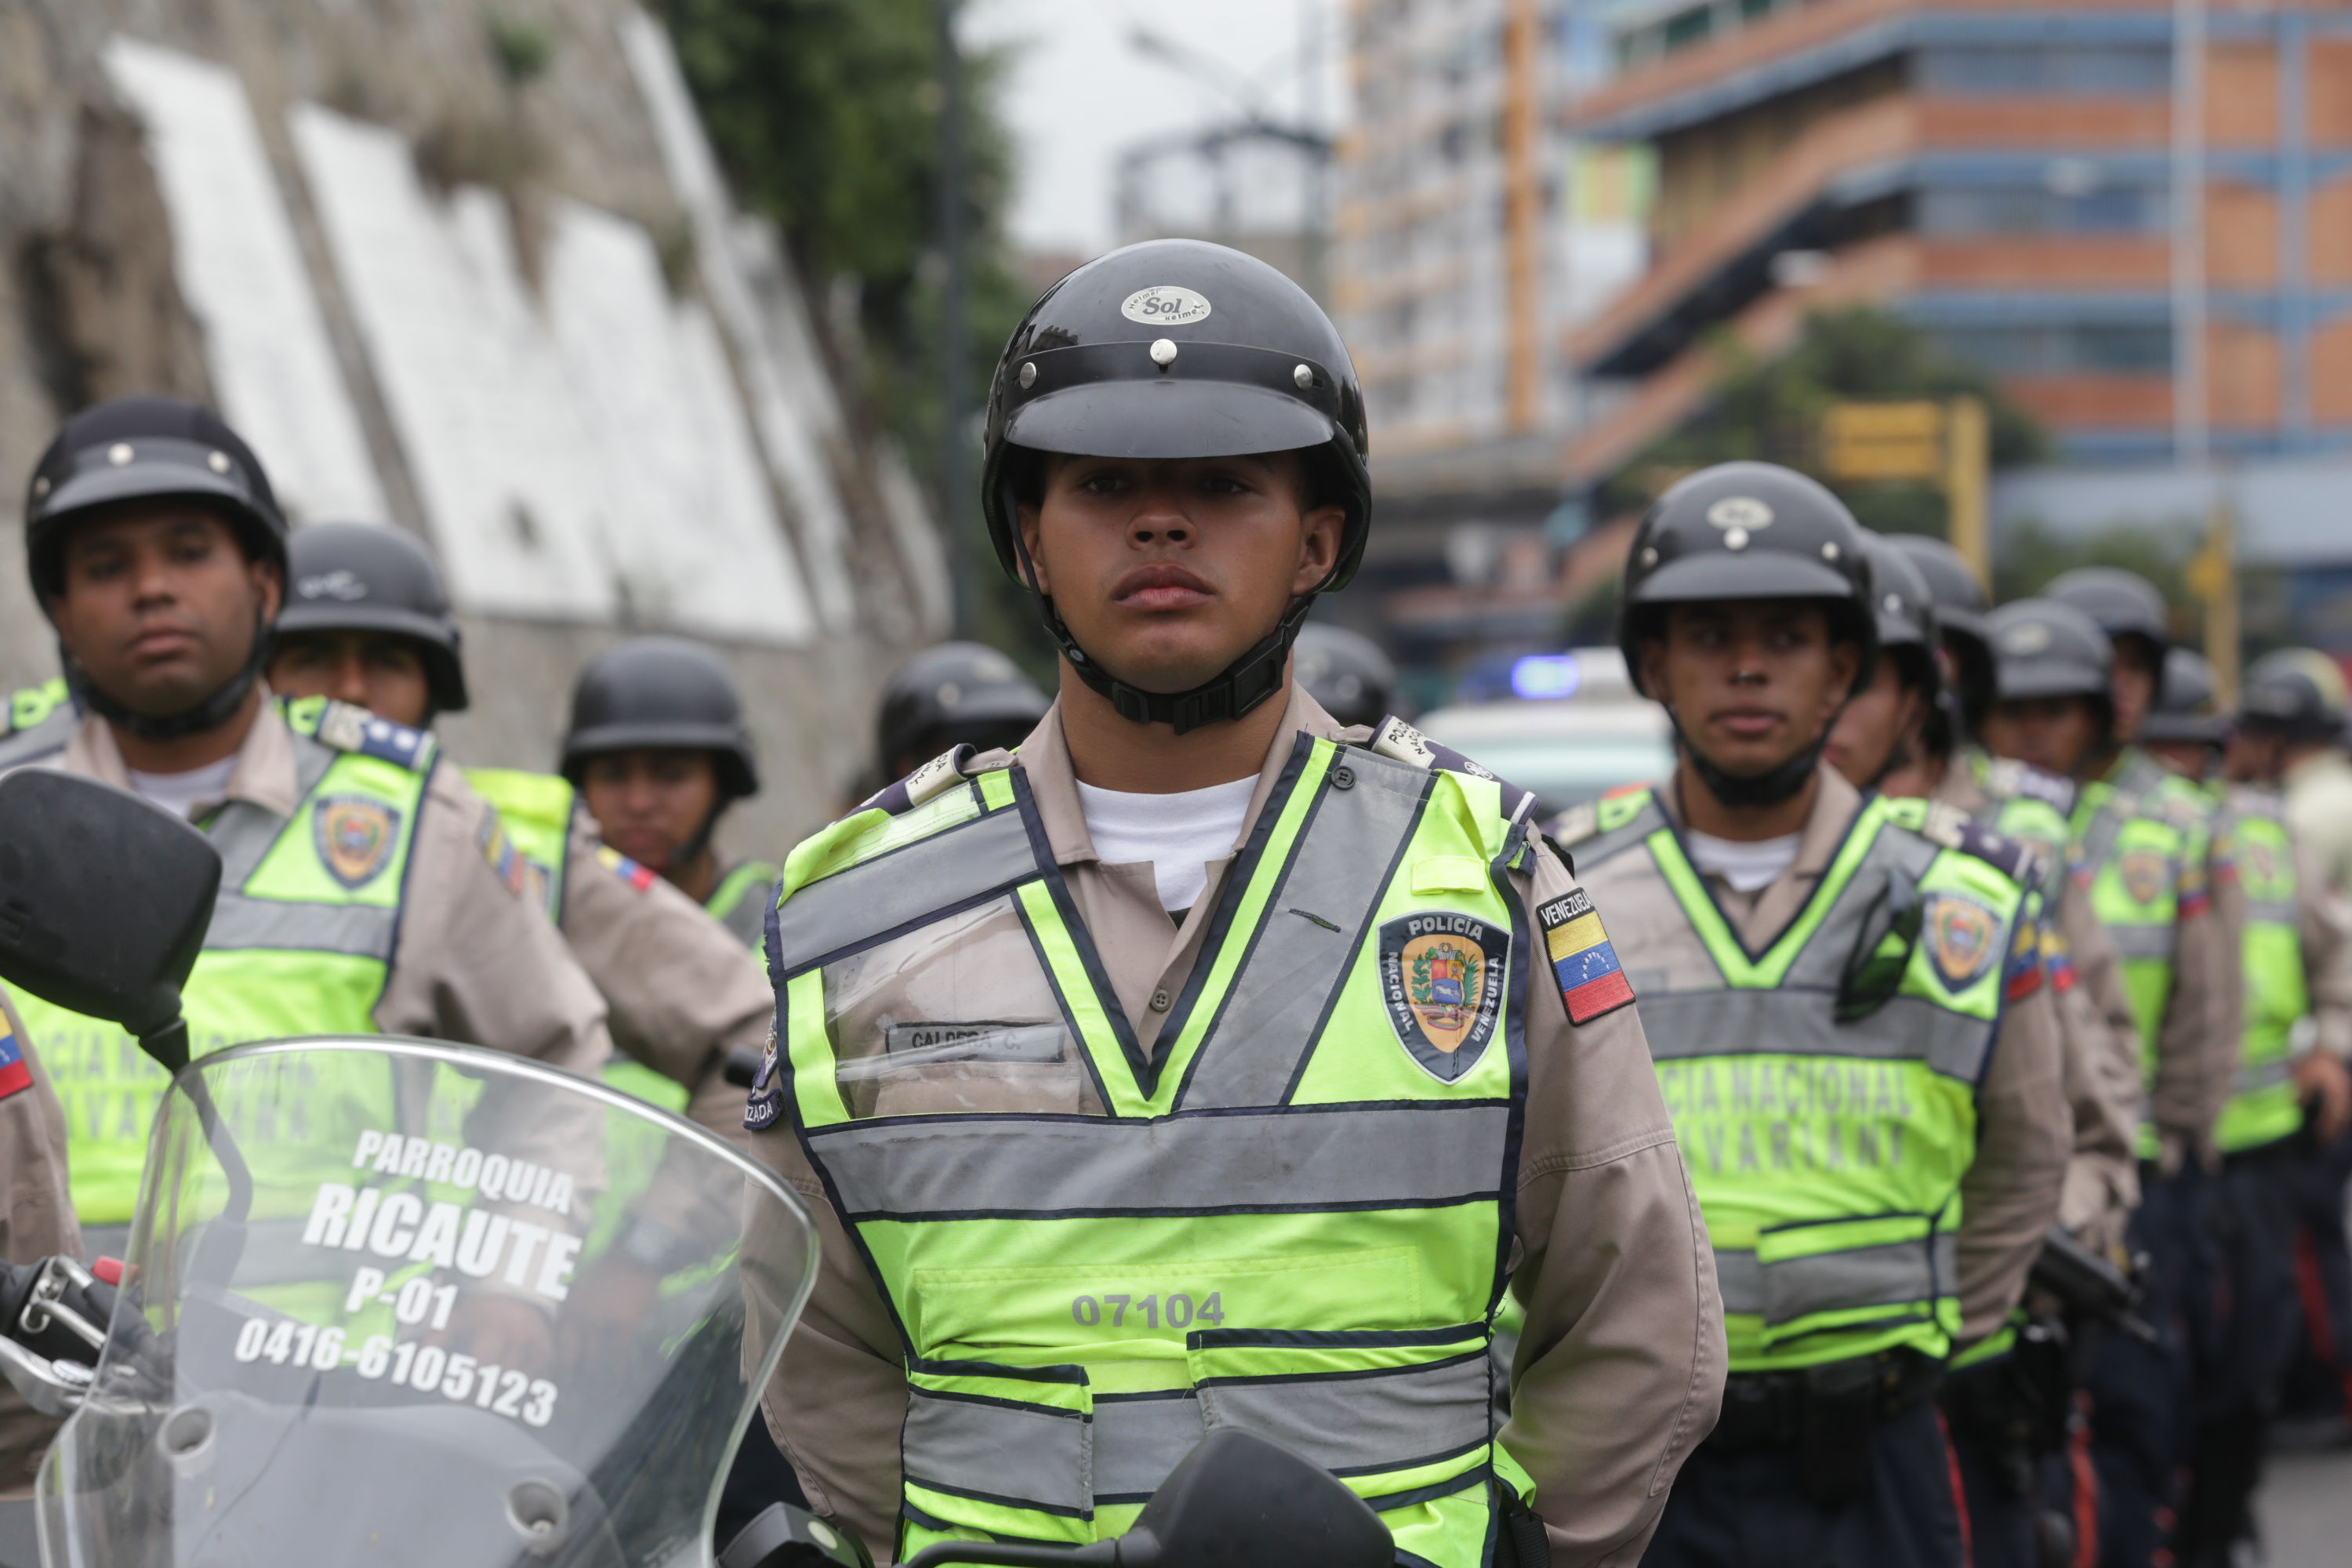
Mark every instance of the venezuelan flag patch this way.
pixel 628 870
pixel 15 1072
pixel 1592 981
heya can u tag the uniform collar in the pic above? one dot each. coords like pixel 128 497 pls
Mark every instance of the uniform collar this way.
pixel 1045 757
pixel 1770 910
pixel 264 774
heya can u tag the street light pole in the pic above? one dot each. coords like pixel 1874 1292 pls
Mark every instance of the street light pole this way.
pixel 2191 418
pixel 955 329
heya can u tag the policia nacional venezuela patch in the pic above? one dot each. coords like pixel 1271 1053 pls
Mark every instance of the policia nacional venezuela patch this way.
pixel 1442 980
pixel 1592 981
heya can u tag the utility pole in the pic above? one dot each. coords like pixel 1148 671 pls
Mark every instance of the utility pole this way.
pixel 955 330
pixel 1522 198
pixel 2191 418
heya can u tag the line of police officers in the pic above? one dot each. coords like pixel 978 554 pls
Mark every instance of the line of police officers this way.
pixel 1917 954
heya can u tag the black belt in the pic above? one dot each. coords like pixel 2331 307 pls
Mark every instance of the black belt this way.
pixel 1778 1408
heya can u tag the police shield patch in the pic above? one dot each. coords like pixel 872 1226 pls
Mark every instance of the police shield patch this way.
pixel 355 837
pixel 1442 981
pixel 2145 872
pixel 1963 939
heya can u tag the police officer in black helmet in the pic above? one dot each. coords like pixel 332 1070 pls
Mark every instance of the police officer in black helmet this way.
pixel 1176 469
pixel 1348 673
pixel 951 694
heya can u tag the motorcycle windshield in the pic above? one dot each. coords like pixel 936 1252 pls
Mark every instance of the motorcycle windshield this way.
pixel 398 1302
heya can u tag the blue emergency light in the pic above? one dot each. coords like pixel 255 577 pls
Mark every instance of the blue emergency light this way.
pixel 1546 675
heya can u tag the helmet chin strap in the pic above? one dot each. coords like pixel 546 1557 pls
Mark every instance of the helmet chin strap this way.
pixel 209 714
pixel 1774 786
pixel 1241 686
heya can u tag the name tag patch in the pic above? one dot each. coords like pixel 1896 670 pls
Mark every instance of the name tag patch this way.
pixel 1592 981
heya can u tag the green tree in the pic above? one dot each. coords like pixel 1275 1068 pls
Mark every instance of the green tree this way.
pixel 825 115
pixel 1772 411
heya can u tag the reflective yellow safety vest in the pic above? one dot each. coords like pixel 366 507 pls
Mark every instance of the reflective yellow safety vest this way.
pixel 2263 1106
pixel 300 943
pixel 1824 1089
pixel 741 900
pixel 2141 837
pixel 1295 1219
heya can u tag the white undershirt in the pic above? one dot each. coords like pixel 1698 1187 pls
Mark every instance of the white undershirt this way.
pixel 1748 864
pixel 180 793
pixel 1178 835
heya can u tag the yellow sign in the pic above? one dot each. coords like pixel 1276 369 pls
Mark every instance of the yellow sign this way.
pixel 1944 443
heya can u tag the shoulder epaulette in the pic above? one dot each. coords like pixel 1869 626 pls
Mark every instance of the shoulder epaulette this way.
pixel 32 705
pixel 1400 741
pixel 1940 822
pixel 932 780
pixel 2007 779
pixel 352 729
pixel 1575 825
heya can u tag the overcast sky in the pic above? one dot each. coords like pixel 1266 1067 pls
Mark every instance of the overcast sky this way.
pixel 1079 91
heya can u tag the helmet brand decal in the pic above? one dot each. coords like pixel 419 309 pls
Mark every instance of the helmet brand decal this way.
pixel 355 838
pixel 340 584
pixel 2025 638
pixel 1963 939
pixel 2144 873
pixel 1740 512
pixel 1165 305
pixel 1442 981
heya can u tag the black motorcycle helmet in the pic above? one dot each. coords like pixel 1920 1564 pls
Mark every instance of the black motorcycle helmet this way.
pixel 1909 637
pixel 2044 648
pixel 2185 715
pixel 1176 348
pixel 661 694
pixel 1960 607
pixel 1748 530
pixel 1346 672
pixel 2125 604
pixel 952 694
pixel 2296 693
pixel 151 448
pixel 371 577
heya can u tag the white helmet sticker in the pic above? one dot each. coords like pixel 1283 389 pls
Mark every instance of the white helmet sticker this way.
pixel 1739 511
pixel 1165 305
pixel 2026 639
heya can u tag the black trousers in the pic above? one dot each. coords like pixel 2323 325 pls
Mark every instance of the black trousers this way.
pixel 2141 1417
pixel 1745 1508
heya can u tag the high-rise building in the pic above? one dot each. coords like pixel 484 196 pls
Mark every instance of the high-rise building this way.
pixel 2004 176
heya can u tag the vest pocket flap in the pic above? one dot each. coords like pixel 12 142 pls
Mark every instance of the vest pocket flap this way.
pixel 999 1437
pixel 1449 874
pixel 1356 1404
pixel 1834 1268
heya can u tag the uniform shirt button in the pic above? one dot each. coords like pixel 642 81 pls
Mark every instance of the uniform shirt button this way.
pixel 1160 1000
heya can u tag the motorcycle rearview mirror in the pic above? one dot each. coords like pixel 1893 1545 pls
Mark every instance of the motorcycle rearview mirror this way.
pixel 1237 1500
pixel 104 901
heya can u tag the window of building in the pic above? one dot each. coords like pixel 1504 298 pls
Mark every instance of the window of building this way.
pixel 2032 209
pixel 2036 71
pixel 2074 348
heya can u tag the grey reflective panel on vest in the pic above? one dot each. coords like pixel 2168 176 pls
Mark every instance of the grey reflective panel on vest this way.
pixel 1682 1025
pixel 749 919
pixel 1362 1421
pixel 361 931
pixel 1138 1438
pixel 1314 1156
pixel 929 875
pixel 1899 1274
pixel 44 740
pixel 2152 941
pixel 2106 826
pixel 2253 1076
pixel 2273 911
pixel 1025 1453
pixel 1739 1278
pixel 1341 863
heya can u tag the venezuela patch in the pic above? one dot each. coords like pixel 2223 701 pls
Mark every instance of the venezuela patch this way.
pixel 1592 981
pixel 628 870
pixel 1442 983
pixel 15 1072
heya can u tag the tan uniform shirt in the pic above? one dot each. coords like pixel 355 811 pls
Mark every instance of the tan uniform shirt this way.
pixel 474 964
pixel 2102 1044
pixel 1620 1369
pixel 681 988
pixel 2325 917
pixel 2319 810
pixel 37 1221
pixel 2024 1132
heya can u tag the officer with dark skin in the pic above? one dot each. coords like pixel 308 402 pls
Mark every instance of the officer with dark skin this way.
pixel 1154 1153
pixel 368 623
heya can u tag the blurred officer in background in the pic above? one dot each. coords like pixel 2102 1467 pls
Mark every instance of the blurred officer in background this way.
pixel 368 623
pixel 356 895
pixel 2009 1398
pixel 952 694
pixel 1961 608
pixel 2298 1029
pixel 2290 733
pixel 1346 673
pixel 1177 1049
pixel 2185 731
pixel 2147 860
pixel 658 750
pixel 1849 1020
